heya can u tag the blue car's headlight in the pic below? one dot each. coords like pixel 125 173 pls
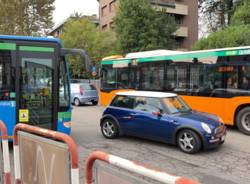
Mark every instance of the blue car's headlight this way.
pixel 206 128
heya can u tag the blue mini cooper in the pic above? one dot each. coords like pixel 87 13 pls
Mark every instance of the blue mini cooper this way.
pixel 162 117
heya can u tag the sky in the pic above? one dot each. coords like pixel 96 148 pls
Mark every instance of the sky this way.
pixel 64 8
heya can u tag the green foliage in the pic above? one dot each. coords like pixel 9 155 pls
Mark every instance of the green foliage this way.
pixel 232 36
pixel 242 14
pixel 81 33
pixel 140 27
pixel 216 13
pixel 237 33
pixel 26 17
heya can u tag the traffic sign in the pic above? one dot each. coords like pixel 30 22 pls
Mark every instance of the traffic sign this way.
pixel 94 74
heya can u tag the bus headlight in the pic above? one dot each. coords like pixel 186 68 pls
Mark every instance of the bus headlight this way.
pixel 206 128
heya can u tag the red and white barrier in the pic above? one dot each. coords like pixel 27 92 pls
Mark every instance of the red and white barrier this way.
pixel 6 155
pixel 133 167
pixel 48 134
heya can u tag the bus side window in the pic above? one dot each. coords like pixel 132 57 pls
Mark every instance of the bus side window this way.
pixel 64 101
pixel 6 82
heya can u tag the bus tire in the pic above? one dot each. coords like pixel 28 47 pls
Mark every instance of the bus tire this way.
pixel 243 120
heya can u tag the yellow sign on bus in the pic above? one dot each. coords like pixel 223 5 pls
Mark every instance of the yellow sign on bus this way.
pixel 23 115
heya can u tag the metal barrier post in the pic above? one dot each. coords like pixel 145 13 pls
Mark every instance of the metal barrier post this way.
pixel 48 134
pixel 131 166
pixel 6 155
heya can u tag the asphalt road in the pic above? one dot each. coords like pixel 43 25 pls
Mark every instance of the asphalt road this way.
pixel 230 164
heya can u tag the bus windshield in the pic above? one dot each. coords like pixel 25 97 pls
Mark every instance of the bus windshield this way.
pixel 176 105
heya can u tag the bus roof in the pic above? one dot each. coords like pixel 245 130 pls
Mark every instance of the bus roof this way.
pixel 182 56
pixel 152 53
pixel 30 38
pixel 146 94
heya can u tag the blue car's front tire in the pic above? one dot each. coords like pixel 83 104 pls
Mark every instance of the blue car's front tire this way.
pixel 109 129
pixel 188 141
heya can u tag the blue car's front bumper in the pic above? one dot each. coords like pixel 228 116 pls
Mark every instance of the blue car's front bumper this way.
pixel 214 140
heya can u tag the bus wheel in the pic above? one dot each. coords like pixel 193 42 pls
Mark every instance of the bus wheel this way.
pixel 243 120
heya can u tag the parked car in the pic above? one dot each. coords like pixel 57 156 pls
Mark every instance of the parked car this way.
pixel 162 117
pixel 82 93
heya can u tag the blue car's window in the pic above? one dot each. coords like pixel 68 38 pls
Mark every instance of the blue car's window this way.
pixel 176 105
pixel 123 101
pixel 148 104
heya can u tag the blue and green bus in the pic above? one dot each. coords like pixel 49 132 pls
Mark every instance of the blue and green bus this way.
pixel 34 83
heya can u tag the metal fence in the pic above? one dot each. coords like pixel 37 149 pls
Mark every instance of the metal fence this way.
pixel 5 156
pixel 44 156
pixel 109 176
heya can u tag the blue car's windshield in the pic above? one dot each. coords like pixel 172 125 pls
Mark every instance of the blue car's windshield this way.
pixel 176 105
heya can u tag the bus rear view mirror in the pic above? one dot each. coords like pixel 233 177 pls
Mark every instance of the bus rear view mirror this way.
pixel 84 56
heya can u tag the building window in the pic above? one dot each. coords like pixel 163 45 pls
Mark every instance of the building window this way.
pixel 104 26
pixel 104 11
pixel 179 41
pixel 178 19
pixel 112 6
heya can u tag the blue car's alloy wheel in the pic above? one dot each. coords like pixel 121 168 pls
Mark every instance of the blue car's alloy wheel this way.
pixel 109 129
pixel 188 141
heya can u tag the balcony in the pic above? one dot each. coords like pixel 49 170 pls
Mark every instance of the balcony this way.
pixel 178 9
pixel 165 3
pixel 182 31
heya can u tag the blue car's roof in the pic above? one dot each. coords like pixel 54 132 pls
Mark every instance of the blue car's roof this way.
pixel 30 38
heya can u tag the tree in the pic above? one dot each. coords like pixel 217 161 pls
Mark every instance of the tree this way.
pixel 232 36
pixel 140 27
pixel 81 33
pixel 26 17
pixel 242 14
pixel 236 33
pixel 217 13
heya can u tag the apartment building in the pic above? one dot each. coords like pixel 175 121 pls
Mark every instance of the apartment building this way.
pixel 184 11
pixel 58 29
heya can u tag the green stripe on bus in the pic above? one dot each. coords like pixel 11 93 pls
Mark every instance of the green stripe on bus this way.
pixel 186 56
pixel 36 49
pixel 110 62
pixel 62 115
pixel 183 56
pixel 7 46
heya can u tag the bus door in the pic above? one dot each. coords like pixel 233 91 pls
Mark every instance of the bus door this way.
pixel 7 87
pixel 37 87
